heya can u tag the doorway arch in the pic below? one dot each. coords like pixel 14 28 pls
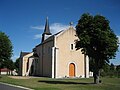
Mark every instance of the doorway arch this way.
pixel 71 70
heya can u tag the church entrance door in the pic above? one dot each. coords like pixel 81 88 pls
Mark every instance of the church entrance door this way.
pixel 72 70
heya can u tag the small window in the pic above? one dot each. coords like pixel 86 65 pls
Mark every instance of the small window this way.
pixel 72 46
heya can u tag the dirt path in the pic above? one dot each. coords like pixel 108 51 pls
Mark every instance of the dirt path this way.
pixel 19 77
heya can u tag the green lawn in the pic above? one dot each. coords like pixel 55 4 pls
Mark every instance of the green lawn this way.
pixel 64 84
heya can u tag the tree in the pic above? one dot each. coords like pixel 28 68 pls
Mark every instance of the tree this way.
pixel 97 40
pixel 112 72
pixel 112 67
pixel 5 48
pixel 17 64
pixel 118 68
pixel 9 64
pixel 105 70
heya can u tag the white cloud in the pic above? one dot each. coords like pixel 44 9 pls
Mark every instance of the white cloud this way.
pixel 37 27
pixel 37 36
pixel 54 28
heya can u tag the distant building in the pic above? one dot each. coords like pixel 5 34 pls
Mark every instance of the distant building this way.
pixel 5 71
pixel 55 56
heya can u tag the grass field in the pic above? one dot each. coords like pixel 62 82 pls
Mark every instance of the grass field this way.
pixel 64 84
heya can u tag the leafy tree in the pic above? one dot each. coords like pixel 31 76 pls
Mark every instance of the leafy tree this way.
pixel 112 67
pixel 112 71
pixel 9 64
pixel 105 71
pixel 118 68
pixel 97 40
pixel 106 67
pixel 17 64
pixel 5 48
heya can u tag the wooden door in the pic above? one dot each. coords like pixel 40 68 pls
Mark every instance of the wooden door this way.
pixel 72 70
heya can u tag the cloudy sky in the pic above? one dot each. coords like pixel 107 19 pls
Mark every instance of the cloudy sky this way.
pixel 23 20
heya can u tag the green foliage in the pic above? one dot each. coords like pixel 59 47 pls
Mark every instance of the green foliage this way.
pixel 110 71
pixel 96 39
pixel 17 64
pixel 118 70
pixel 5 49
pixel 112 67
pixel 9 64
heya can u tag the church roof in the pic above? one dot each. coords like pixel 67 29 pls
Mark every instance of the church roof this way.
pixel 59 32
pixel 22 54
pixel 52 36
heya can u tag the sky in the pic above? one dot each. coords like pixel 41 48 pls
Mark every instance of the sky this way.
pixel 23 20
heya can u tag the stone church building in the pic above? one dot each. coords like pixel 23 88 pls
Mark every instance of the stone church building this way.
pixel 55 56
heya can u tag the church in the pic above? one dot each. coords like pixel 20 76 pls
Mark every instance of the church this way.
pixel 55 57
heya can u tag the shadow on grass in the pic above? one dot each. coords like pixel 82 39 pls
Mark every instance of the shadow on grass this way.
pixel 64 82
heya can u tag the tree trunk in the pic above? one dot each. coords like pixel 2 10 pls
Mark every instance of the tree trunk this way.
pixel 96 75
pixel 96 79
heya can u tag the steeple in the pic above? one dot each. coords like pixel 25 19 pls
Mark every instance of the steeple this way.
pixel 47 29
pixel 46 32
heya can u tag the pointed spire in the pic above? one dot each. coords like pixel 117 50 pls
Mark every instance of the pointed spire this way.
pixel 47 29
pixel 46 32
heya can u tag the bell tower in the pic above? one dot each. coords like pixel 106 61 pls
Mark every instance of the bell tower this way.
pixel 46 32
